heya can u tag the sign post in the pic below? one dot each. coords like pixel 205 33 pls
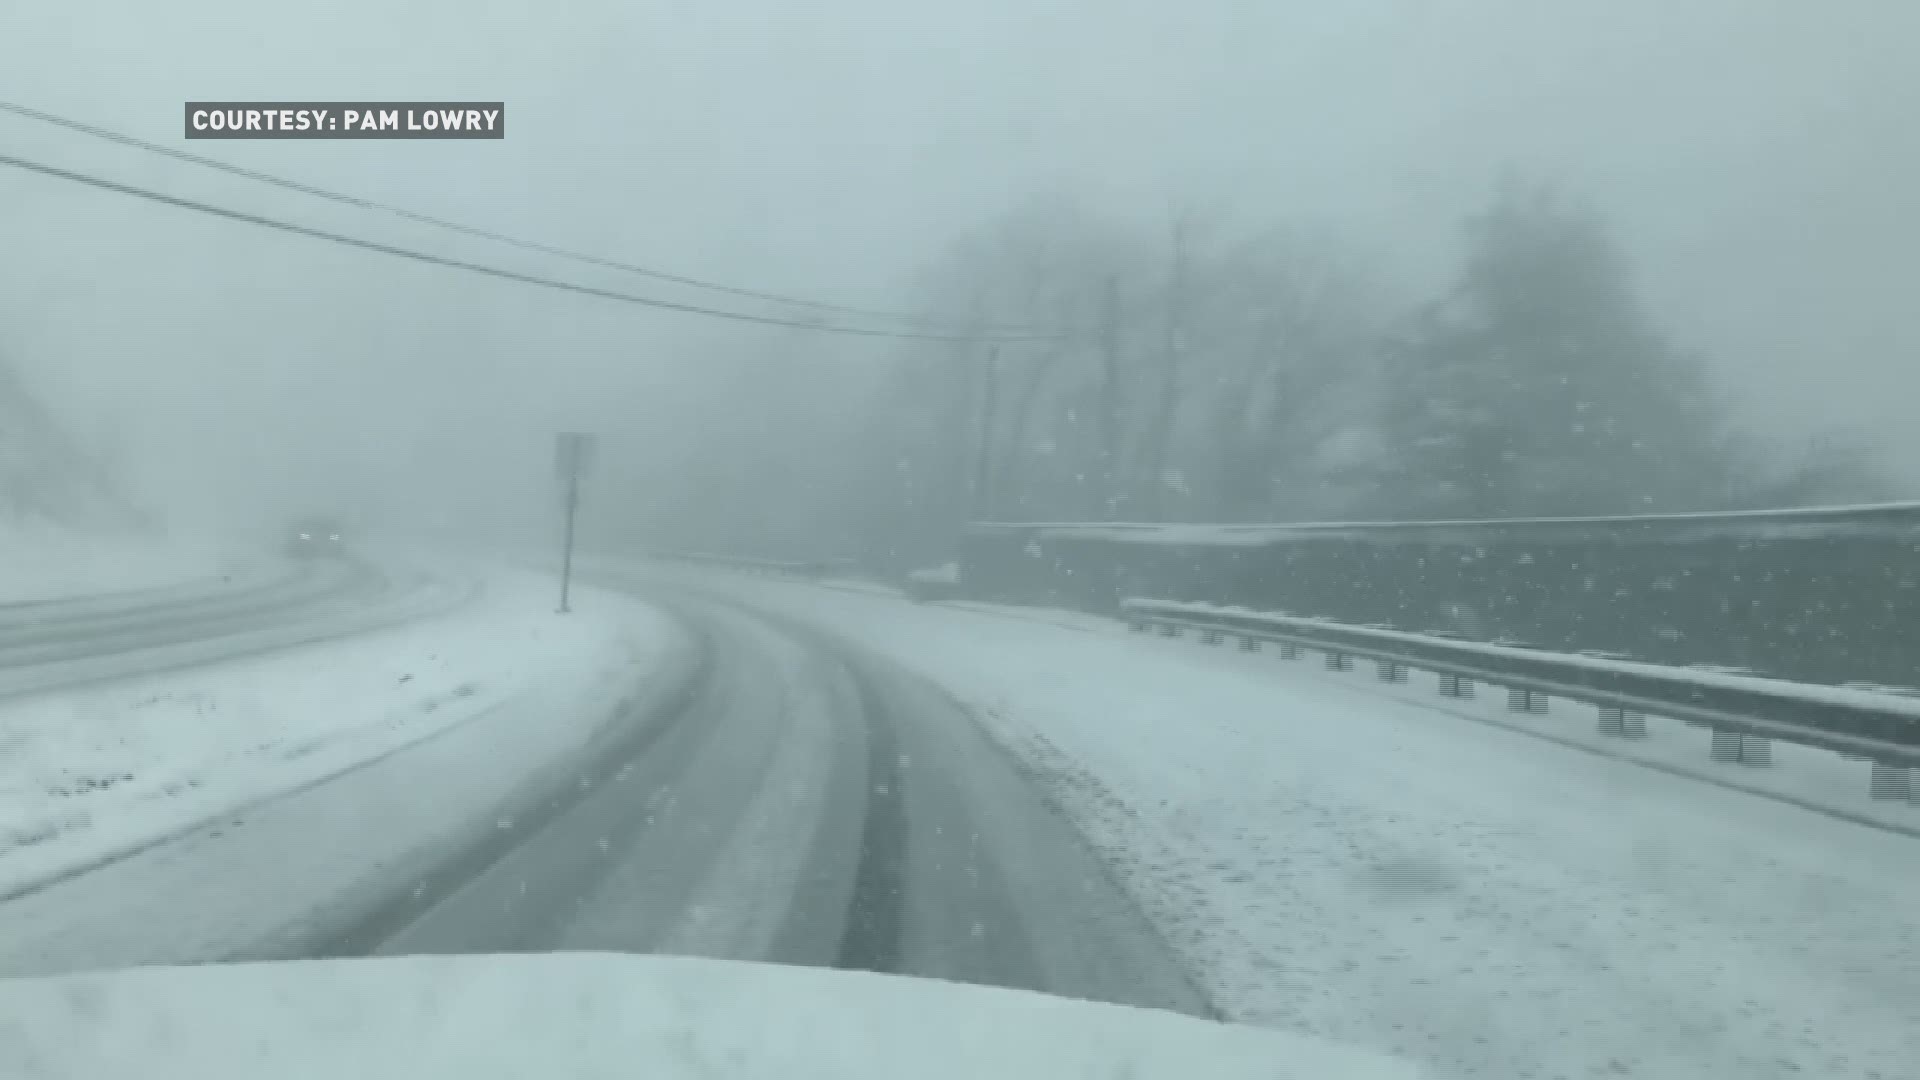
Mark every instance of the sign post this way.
pixel 573 452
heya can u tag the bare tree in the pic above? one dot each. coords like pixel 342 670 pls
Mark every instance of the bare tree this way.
pixel 1108 404
pixel 1191 379
pixel 1166 402
pixel 1292 331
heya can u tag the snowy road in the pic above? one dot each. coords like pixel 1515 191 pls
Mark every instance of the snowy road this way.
pixel 1341 861
pixel 768 793
pixel 806 805
pixel 834 777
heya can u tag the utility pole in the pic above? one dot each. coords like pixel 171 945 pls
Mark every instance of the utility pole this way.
pixel 983 464
pixel 566 554
pixel 571 453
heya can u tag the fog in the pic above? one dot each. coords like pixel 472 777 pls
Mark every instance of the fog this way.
pixel 1755 160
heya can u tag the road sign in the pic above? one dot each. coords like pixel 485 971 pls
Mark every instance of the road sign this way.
pixel 573 453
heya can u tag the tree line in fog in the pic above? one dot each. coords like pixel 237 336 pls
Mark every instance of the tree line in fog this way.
pixel 1190 373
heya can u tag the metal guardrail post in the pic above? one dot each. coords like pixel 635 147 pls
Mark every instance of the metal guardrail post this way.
pixel 1738 749
pixel 1726 746
pixel 1622 723
pixel 1891 782
pixel 1526 701
pixel 1744 714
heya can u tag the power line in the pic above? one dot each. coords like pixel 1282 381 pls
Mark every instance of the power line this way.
pixel 473 267
pixel 441 223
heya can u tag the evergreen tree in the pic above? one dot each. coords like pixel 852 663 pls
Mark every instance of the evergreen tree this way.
pixel 1539 386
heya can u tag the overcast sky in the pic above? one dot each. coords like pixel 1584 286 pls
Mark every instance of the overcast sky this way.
pixel 1759 156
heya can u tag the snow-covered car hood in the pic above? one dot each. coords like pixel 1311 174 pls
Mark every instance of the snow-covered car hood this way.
pixel 603 1015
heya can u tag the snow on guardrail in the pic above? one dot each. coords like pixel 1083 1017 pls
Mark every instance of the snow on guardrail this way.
pixel 1902 518
pixel 1882 726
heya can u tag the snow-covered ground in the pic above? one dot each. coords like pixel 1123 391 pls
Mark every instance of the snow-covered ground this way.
pixel 1815 779
pixel 601 1015
pixel 551 690
pixel 43 565
pixel 91 773
pixel 1356 864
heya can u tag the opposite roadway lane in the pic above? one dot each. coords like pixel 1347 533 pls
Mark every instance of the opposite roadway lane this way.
pixel 795 801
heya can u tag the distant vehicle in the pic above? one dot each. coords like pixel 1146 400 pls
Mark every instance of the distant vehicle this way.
pixel 316 538
pixel 934 583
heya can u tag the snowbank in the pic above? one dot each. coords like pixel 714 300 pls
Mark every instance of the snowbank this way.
pixel 598 1015
pixel 1345 863
pixel 90 774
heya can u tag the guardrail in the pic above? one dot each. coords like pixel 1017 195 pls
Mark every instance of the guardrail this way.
pixel 1887 520
pixel 359 599
pixel 758 567
pixel 926 585
pixel 1743 711
pixel 98 619
pixel 1824 595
